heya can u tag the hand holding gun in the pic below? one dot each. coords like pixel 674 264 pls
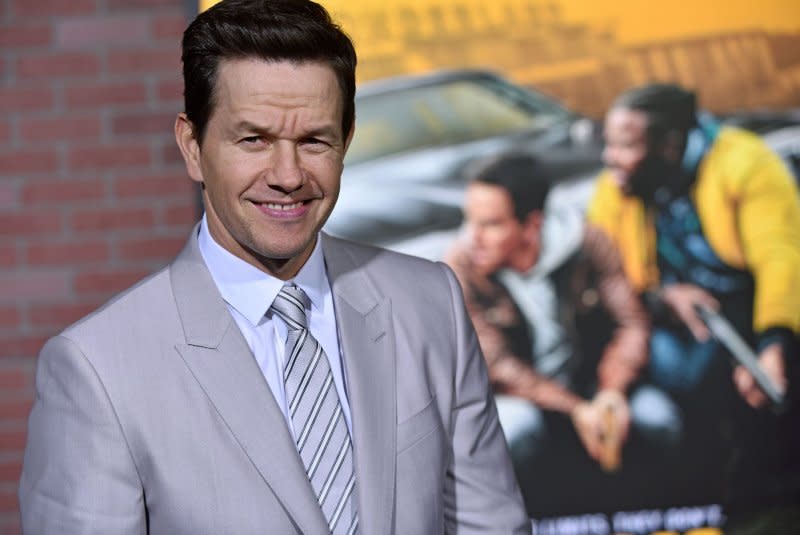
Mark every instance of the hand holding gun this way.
pixel 723 331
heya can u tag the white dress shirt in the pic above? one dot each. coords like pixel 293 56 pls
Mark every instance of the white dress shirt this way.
pixel 249 293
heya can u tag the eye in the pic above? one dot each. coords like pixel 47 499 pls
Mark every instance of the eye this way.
pixel 251 139
pixel 314 142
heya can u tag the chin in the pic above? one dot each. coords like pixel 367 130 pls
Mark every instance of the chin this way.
pixel 279 250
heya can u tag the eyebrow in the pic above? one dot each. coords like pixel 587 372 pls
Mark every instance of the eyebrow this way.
pixel 325 130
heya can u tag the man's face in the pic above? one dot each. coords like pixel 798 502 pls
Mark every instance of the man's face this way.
pixel 271 159
pixel 496 238
pixel 626 147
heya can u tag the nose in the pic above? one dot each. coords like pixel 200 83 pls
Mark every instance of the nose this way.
pixel 286 173
pixel 474 235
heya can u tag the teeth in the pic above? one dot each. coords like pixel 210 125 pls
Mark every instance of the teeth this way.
pixel 275 206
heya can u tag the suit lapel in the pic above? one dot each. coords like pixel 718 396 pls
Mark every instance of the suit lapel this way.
pixel 221 361
pixel 364 321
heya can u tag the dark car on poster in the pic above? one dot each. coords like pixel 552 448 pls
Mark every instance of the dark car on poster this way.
pixel 404 176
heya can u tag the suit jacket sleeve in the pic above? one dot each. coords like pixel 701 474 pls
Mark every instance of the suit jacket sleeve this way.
pixel 481 491
pixel 78 474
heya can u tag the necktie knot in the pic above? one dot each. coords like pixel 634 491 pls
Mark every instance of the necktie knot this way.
pixel 291 304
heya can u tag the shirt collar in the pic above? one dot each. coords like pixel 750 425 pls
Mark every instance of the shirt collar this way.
pixel 251 291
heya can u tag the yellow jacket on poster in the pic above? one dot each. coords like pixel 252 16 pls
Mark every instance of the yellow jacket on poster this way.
pixel 749 209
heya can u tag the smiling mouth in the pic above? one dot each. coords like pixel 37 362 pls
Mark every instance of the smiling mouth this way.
pixel 283 210
pixel 283 207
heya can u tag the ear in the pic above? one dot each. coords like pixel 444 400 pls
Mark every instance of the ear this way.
pixel 533 225
pixel 190 148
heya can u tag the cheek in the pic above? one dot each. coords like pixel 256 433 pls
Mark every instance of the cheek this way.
pixel 235 179
pixel 500 240
pixel 326 171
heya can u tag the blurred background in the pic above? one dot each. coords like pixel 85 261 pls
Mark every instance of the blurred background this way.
pixel 93 195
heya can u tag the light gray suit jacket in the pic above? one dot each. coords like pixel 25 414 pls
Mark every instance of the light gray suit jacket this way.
pixel 152 416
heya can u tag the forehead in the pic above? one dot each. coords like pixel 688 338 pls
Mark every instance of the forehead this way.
pixel 625 121
pixel 488 200
pixel 241 83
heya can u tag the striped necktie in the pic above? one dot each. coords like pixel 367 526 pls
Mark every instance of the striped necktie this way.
pixel 321 434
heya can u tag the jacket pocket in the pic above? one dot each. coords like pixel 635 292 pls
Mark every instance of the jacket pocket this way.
pixel 418 426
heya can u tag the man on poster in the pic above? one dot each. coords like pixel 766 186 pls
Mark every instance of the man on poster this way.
pixel 704 217
pixel 526 275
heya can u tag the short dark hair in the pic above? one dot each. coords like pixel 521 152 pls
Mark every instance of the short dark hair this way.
pixel 271 30
pixel 520 174
pixel 668 107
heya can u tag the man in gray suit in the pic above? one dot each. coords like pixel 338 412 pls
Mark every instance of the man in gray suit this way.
pixel 272 379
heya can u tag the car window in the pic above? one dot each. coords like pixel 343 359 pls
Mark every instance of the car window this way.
pixel 456 111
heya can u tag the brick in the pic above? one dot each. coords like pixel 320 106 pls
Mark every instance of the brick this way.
pixel 12 439
pixel 183 214
pixel 143 123
pixel 10 470
pixel 20 346
pixel 10 524
pixel 53 8
pixel 8 255
pixel 101 31
pixel 25 35
pixel 9 194
pixel 105 219
pixel 5 132
pixel 150 248
pixel 105 94
pixel 15 410
pixel 10 318
pixel 170 154
pixel 108 282
pixel 24 286
pixel 137 4
pixel 169 27
pixel 60 191
pixel 59 315
pixel 60 128
pixel 170 90
pixel 13 378
pixel 28 223
pixel 68 253
pixel 58 65
pixel 175 184
pixel 28 161
pixel 18 99
pixel 110 156
pixel 8 498
pixel 147 60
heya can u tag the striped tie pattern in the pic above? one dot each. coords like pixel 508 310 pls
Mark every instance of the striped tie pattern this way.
pixel 320 430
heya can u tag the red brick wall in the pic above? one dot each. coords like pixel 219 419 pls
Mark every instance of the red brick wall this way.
pixel 93 195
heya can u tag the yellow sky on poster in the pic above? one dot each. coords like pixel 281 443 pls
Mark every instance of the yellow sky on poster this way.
pixel 643 21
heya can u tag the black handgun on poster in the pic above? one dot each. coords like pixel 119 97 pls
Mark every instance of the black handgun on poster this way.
pixel 722 330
